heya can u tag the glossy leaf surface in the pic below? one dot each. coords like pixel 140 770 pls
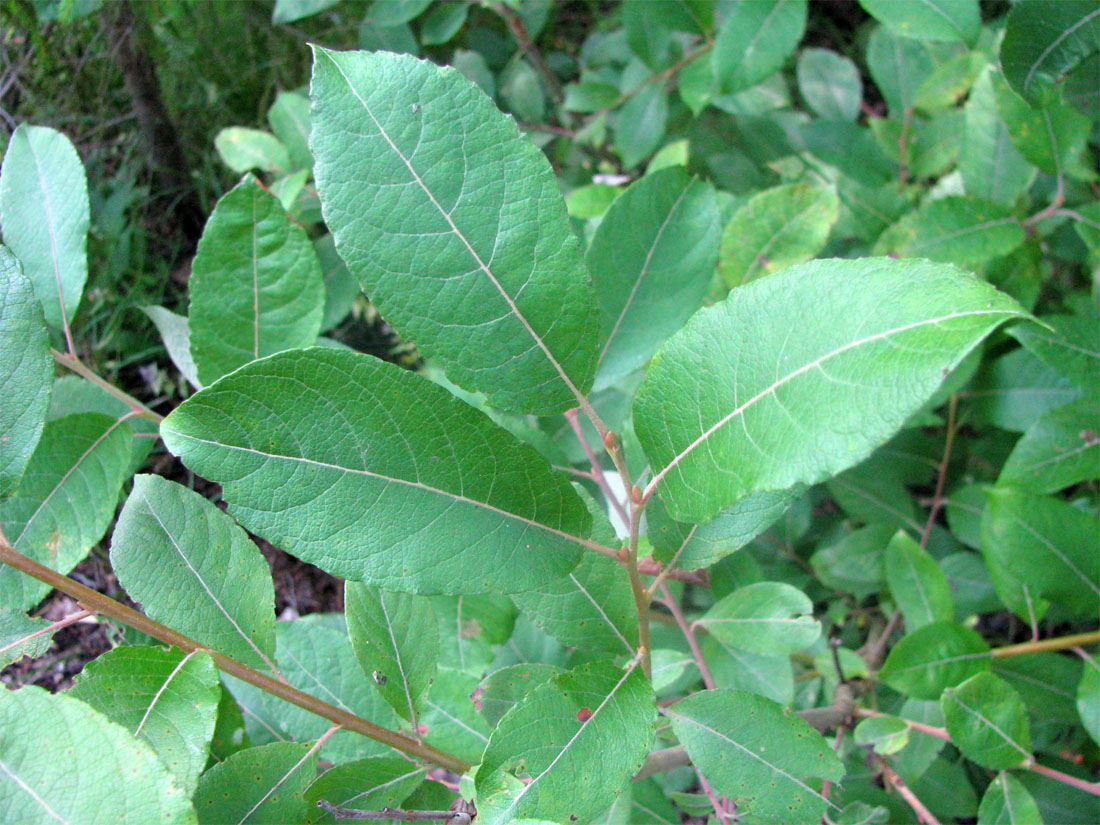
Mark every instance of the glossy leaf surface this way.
pixel 256 284
pixel 219 590
pixel 44 212
pixel 26 371
pixel 1007 802
pixel 369 784
pixel 800 375
pixel 503 304
pixel 345 461
pixel 757 754
pixel 651 259
pixel 164 697
pixel 38 783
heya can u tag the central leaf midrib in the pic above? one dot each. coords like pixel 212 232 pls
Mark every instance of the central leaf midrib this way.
pixel 414 484
pixel 513 308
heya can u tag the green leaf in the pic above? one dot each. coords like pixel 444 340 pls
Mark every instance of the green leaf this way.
pixel 1060 449
pixel 471 627
pixel 779 370
pixel 256 285
pixel 1047 543
pixel 590 94
pixel 396 12
pixel 916 757
pixel 962 230
pixel 829 84
pixel 591 608
pixel 289 120
pixel 258 786
pixel 640 126
pixel 66 499
pixel 443 22
pixel 243 149
pixel 870 493
pixel 1015 390
pixel 649 31
pixel 652 259
pixel 777 228
pixel 696 546
pixel 15 628
pixel 1088 697
pixel 740 670
pixel 899 66
pixel 315 656
pixel 936 656
pixel 72 394
pixel 523 93
pixel 1052 135
pixel 756 753
pixel 1044 42
pixel 399 39
pixel 175 332
pixel 885 734
pixel 853 150
pixel 194 570
pixel 756 38
pixel 44 212
pixel 165 697
pixel 991 165
pixel 396 640
pixel 766 618
pixel 917 583
pixel 854 564
pixel 987 721
pixel 1068 344
pixel 507 308
pixel 579 737
pixel 287 11
pixel 376 474
pixel 366 784
pixel 26 371
pixel 121 783
pixel 504 688
pixel 947 21
pixel 450 720
pixel 1007 802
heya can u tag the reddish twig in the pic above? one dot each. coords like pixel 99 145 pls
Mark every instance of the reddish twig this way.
pixel 923 814
pixel 689 634
pixel 941 474
pixel 53 628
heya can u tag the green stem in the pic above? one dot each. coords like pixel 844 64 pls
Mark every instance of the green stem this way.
pixel 1059 643
pixel 77 366
pixel 99 603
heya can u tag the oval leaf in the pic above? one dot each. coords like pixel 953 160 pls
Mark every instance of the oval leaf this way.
pixel 937 656
pixel 917 583
pixel 943 20
pixel 965 231
pixel 987 721
pixel 768 617
pixel 258 786
pixel 830 84
pixel 756 753
pixel 755 39
pixel 26 372
pixel 376 474
pixel 194 570
pixel 798 376
pixel 453 223
pixel 256 284
pixel 1044 42
pixel 1007 802
pixel 44 211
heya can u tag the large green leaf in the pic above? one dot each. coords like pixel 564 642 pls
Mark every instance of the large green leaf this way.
pixel 777 228
pixel 26 371
pixel 258 786
pixel 830 84
pixel 1015 390
pixel 193 569
pixel 243 149
pixel 374 473
pixel 161 695
pixel 66 500
pixel 701 545
pixel 756 753
pixel 315 656
pixel 766 618
pixel 1060 449
pixel 371 783
pixel 1045 41
pixel 450 720
pixel 943 20
pixel 740 670
pixel 652 259
pixel 962 230
pixel 899 66
pixel 504 688
pixel 917 583
pixel 119 780
pixel 988 722
pixel 991 165
pixel 934 657
pixel 591 608
pixel 580 737
pixel 755 38
pixel 1068 344
pixel 1047 543
pixel 44 212
pixel 1052 135
pixel 1007 802
pixel 640 125
pixel 453 223
pixel 256 284
pixel 798 376
pixel 396 640
pixel 470 628
pixel 289 119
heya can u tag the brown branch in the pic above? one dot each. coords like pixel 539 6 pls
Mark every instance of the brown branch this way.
pixel 941 473
pixel 519 31
pixel 649 566
pixel 458 817
pixel 689 634
pixel 93 600
pixel 77 366
pixel 73 618
pixel 923 814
